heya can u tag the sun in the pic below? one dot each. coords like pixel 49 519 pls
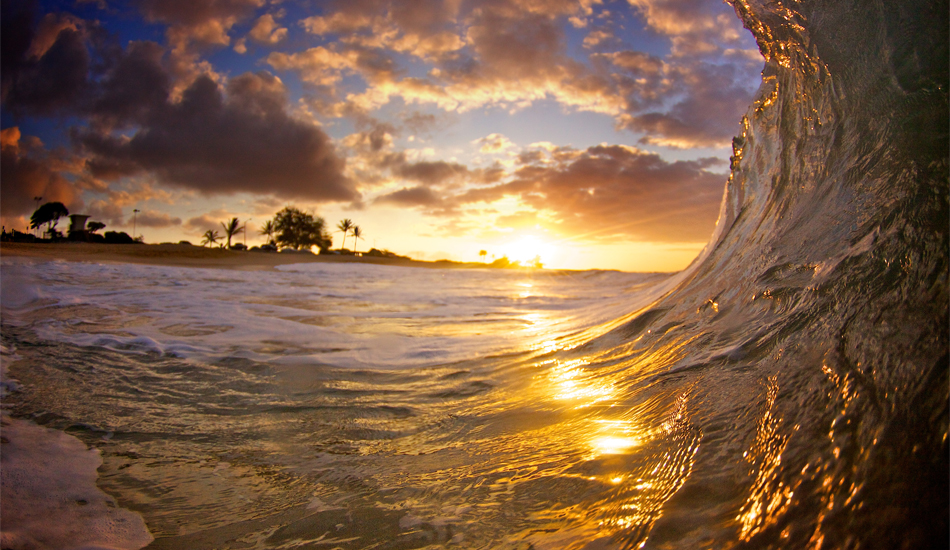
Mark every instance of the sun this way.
pixel 525 249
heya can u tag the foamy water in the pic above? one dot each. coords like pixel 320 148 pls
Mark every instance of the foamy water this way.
pixel 341 315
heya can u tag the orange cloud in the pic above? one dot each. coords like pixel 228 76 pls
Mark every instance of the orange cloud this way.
pixel 267 31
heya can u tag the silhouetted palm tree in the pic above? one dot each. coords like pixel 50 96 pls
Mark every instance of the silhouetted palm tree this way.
pixel 357 234
pixel 269 230
pixel 210 237
pixel 345 225
pixel 231 229
pixel 49 213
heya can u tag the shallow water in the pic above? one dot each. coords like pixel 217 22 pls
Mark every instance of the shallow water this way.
pixel 788 390
pixel 357 405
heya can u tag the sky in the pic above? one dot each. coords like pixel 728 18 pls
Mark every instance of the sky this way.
pixel 591 133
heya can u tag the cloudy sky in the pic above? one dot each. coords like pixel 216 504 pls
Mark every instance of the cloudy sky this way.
pixel 595 133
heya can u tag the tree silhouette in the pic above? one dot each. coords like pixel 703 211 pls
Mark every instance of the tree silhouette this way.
pixel 231 229
pixel 482 254
pixel 269 230
pixel 210 237
pixel 298 229
pixel 49 213
pixel 357 234
pixel 345 225
pixel 95 226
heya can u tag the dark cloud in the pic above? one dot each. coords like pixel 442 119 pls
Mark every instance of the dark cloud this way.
pixel 156 219
pixel 134 88
pixel 215 142
pixel 106 212
pixel 205 22
pixel 430 173
pixel 411 196
pixel 45 67
pixel 610 191
pixel 708 113
pixel 204 222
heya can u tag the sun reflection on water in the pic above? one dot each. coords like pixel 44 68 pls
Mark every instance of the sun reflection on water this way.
pixel 574 383
pixel 770 497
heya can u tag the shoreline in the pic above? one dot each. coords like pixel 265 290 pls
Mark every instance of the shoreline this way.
pixel 183 255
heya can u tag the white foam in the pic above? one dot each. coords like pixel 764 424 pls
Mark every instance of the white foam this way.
pixel 49 496
pixel 344 315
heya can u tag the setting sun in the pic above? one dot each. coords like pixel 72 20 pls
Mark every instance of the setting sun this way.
pixel 526 249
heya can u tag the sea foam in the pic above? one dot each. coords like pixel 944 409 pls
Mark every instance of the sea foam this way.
pixel 49 495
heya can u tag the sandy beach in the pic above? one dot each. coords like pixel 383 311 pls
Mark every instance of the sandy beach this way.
pixel 183 255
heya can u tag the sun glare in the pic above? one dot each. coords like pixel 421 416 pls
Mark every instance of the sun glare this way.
pixel 527 248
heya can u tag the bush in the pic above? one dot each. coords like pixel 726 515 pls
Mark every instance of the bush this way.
pixel 118 237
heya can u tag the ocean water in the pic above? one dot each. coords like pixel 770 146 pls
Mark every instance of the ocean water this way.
pixel 788 390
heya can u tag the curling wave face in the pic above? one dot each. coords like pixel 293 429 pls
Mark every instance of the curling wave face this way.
pixel 788 390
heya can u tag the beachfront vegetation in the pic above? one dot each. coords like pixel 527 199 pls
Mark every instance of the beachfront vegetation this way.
pixel 49 213
pixel 210 238
pixel 268 230
pixel 357 234
pixel 345 225
pixel 95 226
pixel 300 230
pixel 231 229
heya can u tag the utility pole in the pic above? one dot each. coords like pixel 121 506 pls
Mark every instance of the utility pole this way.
pixel 135 212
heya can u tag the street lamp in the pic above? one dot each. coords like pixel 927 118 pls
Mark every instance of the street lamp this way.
pixel 135 212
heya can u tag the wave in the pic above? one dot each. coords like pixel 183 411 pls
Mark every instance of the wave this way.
pixel 808 345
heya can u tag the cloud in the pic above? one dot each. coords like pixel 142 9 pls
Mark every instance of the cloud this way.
pixel 202 22
pixel 156 219
pixel 25 173
pixel 239 139
pixel 410 196
pixel 493 143
pixel 209 220
pixel 706 115
pixel 267 31
pixel 696 27
pixel 134 89
pixel 510 54
pixel 430 172
pixel 106 212
pixel 608 192
pixel 45 66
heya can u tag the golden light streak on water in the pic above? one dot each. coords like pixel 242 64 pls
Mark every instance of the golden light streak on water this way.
pixel 769 497
pixel 572 382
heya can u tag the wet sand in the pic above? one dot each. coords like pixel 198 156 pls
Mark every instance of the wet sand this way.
pixel 182 255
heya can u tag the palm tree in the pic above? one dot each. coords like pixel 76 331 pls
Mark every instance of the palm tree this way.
pixel 231 229
pixel 357 234
pixel 345 225
pixel 482 254
pixel 269 230
pixel 210 237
